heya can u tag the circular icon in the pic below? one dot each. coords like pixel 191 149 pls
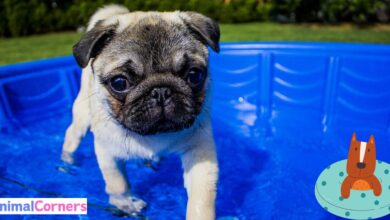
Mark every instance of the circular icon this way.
pixel 361 204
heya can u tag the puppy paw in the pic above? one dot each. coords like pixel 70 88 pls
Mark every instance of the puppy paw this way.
pixel 67 168
pixel 153 163
pixel 345 194
pixel 127 203
pixel 67 157
pixel 377 192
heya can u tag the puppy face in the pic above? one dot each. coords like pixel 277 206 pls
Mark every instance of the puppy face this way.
pixel 361 157
pixel 154 71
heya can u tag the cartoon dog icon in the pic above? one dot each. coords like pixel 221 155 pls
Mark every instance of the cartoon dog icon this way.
pixel 360 168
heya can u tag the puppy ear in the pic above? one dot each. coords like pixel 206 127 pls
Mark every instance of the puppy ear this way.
pixel 372 140
pixel 92 43
pixel 204 28
pixel 353 136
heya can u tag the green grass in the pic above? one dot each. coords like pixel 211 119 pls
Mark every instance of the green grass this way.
pixel 305 32
pixel 15 50
pixel 58 44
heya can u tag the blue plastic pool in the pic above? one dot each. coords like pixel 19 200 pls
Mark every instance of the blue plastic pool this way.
pixel 282 113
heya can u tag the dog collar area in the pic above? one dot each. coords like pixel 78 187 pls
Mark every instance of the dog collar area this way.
pixel 361 204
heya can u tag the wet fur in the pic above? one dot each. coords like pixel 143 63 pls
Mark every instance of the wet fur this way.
pixel 154 49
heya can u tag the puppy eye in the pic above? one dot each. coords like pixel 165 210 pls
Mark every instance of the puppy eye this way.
pixel 368 150
pixel 195 76
pixel 119 84
pixel 355 148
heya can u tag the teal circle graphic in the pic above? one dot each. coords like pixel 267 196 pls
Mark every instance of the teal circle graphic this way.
pixel 360 204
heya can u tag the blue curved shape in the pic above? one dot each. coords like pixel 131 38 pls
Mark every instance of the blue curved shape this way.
pixel 235 71
pixel 382 95
pixel 54 105
pixel 240 83
pixel 364 78
pixel 301 101
pixel 296 72
pixel 357 109
pixel 44 95
pixel 284 83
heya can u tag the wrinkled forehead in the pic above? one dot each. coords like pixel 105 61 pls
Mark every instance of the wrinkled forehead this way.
pixel 153 44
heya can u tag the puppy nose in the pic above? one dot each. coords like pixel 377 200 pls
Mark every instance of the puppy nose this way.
pixel 161 94
pixel 361 165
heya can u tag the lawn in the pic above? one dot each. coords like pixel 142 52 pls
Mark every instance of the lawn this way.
pixel 58 44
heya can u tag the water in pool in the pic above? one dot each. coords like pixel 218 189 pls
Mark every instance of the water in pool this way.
pixel 261 176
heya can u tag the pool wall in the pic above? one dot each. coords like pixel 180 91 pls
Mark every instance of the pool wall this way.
pixel 267 86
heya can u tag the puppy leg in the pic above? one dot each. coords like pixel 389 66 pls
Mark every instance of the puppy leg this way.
pixel 200 179
pixel 346 187
pixel 117 187
pixel 79 127
pixel 375 185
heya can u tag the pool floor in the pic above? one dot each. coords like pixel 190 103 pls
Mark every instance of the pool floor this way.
pixel 264 177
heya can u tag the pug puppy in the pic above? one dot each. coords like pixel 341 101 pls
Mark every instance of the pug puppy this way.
pixel 145 92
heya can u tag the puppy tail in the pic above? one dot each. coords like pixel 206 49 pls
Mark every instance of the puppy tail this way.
pixel 105 13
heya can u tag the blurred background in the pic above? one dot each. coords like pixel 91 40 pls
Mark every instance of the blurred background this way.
pixel 36 29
